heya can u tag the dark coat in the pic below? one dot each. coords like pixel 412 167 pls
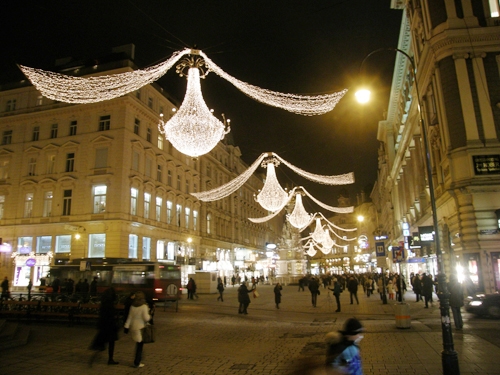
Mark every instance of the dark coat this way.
pixel 277 293
pixel 456 294
pixel 352 285
pixel 313 286
pixel 108 323
pixel 427 286
pixel 243 292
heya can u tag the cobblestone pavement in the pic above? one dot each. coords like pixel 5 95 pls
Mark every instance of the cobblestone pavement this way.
pixel 209 337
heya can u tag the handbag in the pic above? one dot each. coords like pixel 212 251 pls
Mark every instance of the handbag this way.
pixel 148 334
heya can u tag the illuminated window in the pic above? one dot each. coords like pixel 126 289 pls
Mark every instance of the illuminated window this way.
pixel 146 248
pixel 32 167
pixel 209 223
pixel 51 164
pixel 28 205
pixel 132 246
pixel 134 193
pixel 178 211
pixel 2 202
pixel 100 198
pixel 187 212
pixel 147 203
pixel 158 208
pixel 43 244
pixel 160 142
pixel 97 245
pixel 63 244
pixel 169 212
pixel 47 204
pixel 494 8
pixel 195 220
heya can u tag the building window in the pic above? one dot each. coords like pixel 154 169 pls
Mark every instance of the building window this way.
pixel 187 185
pixel 195 220
pixel 43 244
pixel 132 246
pixel 148 166
pixel 150 102
pixel 101 158
pixel 137 125
pixel 2 202
pixel 4 169
pixel 7 137
pixel 146 248
pixel 160 142
pixel 72 127
pixel 36 133
pixel 70 162
pixel 209 223
pixel 53 131
pixel 158 208
pixel 51 163
pixel 67 202
pixel 104 123
pixel 158 173
pixel 32 167
pixel 494 8
pixel 135 161
pixel 25 245
pixel 178 215
pixel 47 204
pixel 134 193
pixel 148 135
pixel 178 182
pixel 169 178
pixel 100 198
pixel 169 212
pixel 11 105
pixel 138 94
pixel 187 212
pixel 147 203
pixel 63 244
pixel 28 205
pixel 39 100
pixel 97 245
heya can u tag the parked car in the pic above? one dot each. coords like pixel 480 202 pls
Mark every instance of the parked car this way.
pixel 484 305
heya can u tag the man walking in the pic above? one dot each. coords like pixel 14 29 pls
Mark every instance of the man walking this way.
pixel 352 287
pixel 456 301
pixel 314 289
pixel 427 286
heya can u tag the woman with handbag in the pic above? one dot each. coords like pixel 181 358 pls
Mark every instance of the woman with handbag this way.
pixel 137 318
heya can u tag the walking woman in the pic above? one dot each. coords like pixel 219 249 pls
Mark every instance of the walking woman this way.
pixel 137 318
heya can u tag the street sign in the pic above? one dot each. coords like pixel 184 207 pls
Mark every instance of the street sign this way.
pixel 398 254
pixel 380 249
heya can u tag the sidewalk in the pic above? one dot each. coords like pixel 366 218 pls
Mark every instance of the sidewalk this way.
pixel 209 337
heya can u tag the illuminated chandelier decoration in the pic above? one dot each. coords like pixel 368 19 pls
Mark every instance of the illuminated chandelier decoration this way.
pixel 327 241
pixel 272 196
pixel 299 217
pixel 193 130
pixel 230 187
pixel 311 251
pixel 319 234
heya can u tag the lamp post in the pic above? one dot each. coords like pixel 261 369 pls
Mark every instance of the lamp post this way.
pixel 449 356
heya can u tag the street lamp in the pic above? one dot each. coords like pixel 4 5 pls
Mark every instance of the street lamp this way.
pixel 449 356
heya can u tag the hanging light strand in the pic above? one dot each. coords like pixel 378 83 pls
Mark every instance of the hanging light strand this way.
pixel 336 226
pixel 95 89
pixel 298 104
pixel 340 210
pixel 343 179
pixel 231 186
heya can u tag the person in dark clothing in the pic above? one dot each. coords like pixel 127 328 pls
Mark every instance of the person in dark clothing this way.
pixel 456 300
pixel 244 298
pixel 220 288
pixel 302 281
pixel 400 287
pixel 56 284
pixel 107 326
pixel 416 283
pixel 84 290
pixel 427 287
pixel 314 289
pixel 5 288
pixel 191 288
pixel 343 354
pixel 337 289
pixel 352 287
pixel 277 295
pixel 93 287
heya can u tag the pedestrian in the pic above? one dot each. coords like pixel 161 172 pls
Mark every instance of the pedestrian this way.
pixel 314 289
pixel 390 289
pixel 427 287
pixel 277 295
pixel 337 289
pixel 191 288
pixel 30 285
pixel 55 288
pixel 343 354
pixel 369 286
pixel 352 287
pixel 5 288
pixel 233 280
pixel 107 327
pixel 136 320
pixel 302 281
pixel 220 288
pixel 93 287
pixel 416 284
pixel 456 300
pixel 84 290
pixel 400 287
pixel 244 298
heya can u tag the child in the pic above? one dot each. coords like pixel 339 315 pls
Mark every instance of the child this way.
pixel 343 354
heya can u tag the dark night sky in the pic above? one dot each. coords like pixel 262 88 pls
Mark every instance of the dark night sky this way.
pixel 301 47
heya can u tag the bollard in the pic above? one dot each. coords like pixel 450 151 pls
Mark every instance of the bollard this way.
pixel 402 312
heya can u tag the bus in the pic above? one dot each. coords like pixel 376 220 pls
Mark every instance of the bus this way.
pixel 160 281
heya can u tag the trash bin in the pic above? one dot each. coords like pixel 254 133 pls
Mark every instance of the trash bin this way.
pixel 402 312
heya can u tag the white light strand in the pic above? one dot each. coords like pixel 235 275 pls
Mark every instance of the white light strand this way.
pixel 340 210
pixel 231 186
pixel 95 89
pixel 302 105
pixel 299 216
pixel 342 238
pixel 272 195
pixel 193 130
pixel 261 220
pixel 335 226
pixel 343 179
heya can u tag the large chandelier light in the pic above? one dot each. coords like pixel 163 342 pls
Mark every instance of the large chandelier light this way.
pixel 319 234
pixel 193 130
pixel 299 216
pixel 272 196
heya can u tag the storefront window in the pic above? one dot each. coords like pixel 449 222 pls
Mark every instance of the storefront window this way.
pixel 24 245
pixel 132 246
pixel 97 245
pixel 63 244
pixel 146 248
pixel 43 244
